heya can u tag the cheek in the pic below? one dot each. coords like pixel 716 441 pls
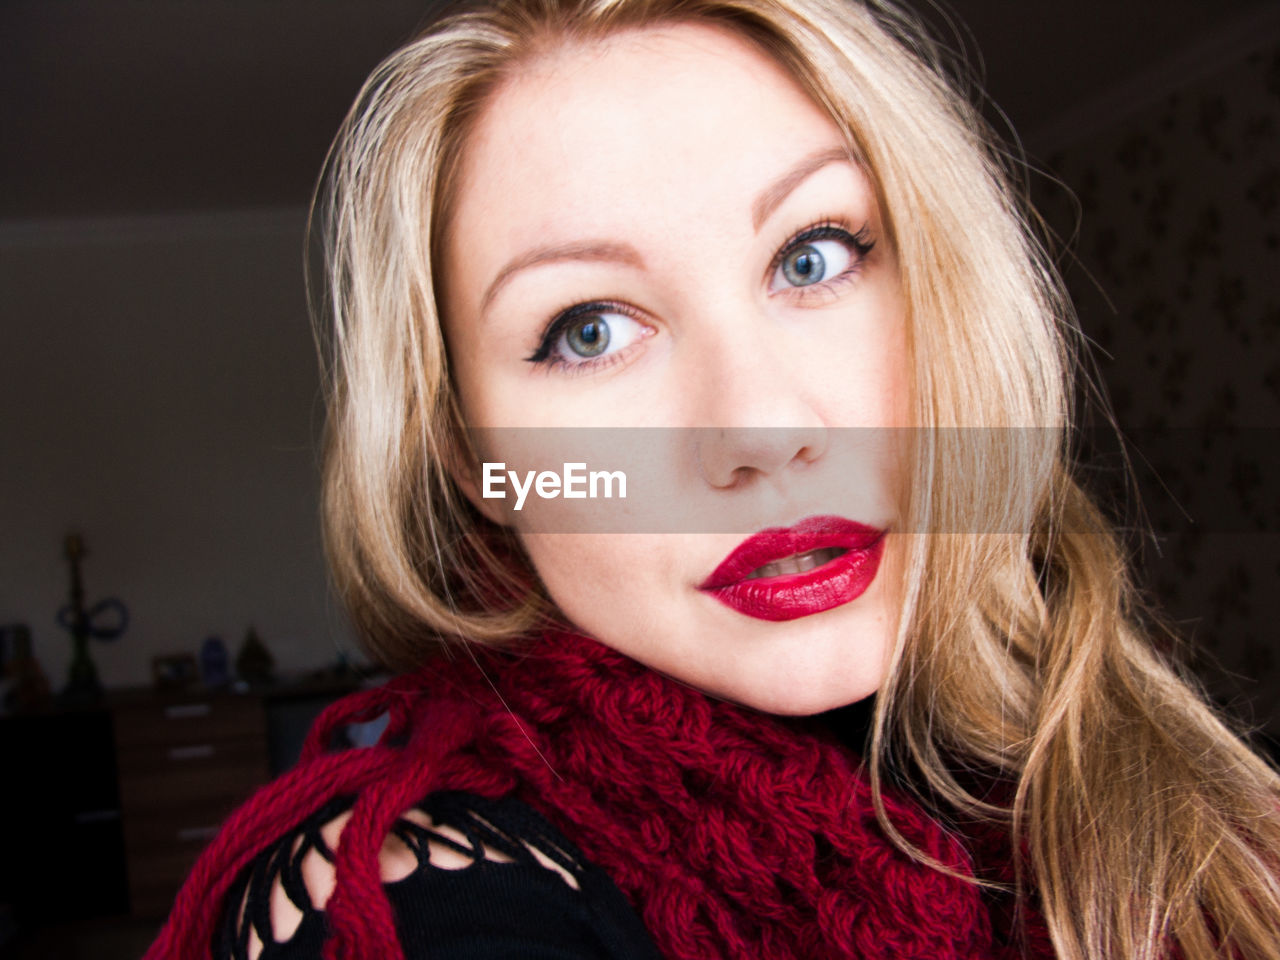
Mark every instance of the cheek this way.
pixel 496 387
pixel 896 375
pixel 858 363
pixel 467 371
pixel 888 362
pixel 598 580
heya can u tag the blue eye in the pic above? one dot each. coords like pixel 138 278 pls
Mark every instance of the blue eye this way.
pixel 806 265
pixel 818 255
pixel 587 333
pixel 587 337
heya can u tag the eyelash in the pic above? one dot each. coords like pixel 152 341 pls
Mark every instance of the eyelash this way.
pixel 860 242
pixel 565 319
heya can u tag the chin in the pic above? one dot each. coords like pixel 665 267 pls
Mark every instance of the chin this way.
pixel 810 668
pixel 795 695
pixel 791 704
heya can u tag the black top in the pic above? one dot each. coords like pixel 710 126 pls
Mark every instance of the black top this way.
pixel 491 909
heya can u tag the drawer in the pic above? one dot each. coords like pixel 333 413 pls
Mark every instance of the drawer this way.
pixel 166 831
pixel 185 761
pixel 181 759
pixel 224 771
pixel 188 721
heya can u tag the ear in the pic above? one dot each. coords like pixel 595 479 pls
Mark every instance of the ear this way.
pixel 463 467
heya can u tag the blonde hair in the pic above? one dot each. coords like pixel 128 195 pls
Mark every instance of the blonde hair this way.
pixel 1142 819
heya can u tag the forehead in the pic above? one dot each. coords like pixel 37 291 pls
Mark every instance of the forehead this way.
pixel 633 131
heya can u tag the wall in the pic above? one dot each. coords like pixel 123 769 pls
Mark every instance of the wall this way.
pixel 160 395
pixel 1177 287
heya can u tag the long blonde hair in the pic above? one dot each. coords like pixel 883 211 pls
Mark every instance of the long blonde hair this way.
pixel 1141 818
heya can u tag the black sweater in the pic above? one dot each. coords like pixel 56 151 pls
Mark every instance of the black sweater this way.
pixel 490 909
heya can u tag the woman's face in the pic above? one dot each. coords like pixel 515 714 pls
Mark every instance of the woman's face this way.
pixel 661 230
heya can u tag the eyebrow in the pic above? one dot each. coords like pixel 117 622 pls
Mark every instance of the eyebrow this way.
pixel 604 251
pixel 590 251
pixel 773 195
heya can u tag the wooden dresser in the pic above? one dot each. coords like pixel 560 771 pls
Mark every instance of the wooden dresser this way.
pixel 185 761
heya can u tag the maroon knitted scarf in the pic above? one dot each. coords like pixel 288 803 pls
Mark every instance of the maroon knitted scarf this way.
pixel 735 834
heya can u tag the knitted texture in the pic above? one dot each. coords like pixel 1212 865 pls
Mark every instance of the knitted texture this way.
pixel 735 834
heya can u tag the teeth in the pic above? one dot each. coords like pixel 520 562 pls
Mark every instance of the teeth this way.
pixel 797 563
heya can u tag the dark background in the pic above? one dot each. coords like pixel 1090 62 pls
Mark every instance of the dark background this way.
pixel 129 107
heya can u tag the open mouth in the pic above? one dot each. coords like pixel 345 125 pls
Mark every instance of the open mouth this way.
pixel 797 563
pixel 783 573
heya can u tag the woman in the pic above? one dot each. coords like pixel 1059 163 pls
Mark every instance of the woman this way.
pixel 765 238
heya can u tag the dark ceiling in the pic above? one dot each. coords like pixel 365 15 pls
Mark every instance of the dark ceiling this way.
pixel 144 106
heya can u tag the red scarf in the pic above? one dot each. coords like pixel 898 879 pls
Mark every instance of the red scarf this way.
pixel 735 834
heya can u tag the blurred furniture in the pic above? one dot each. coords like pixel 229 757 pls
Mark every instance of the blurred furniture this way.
pixel 185 760
pixel 103 809
pixel 188 758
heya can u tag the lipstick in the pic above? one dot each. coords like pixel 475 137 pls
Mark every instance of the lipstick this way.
pixel 784 573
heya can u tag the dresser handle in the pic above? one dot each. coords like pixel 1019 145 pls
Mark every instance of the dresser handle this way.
pixel 188 834
pixel 186 711
pixel 201 752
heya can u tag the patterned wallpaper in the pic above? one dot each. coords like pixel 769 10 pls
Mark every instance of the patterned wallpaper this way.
pixel 1177 281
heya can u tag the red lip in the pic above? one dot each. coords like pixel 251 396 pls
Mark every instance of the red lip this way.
pixel 793 595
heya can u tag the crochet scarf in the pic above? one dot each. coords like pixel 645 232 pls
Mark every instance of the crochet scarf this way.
pixel 735 834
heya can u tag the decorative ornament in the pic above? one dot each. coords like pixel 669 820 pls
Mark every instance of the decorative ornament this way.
pixel 105 620
pixel 254 662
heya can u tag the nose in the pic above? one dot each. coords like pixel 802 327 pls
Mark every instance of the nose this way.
pixel 760 419
pixel 730 456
